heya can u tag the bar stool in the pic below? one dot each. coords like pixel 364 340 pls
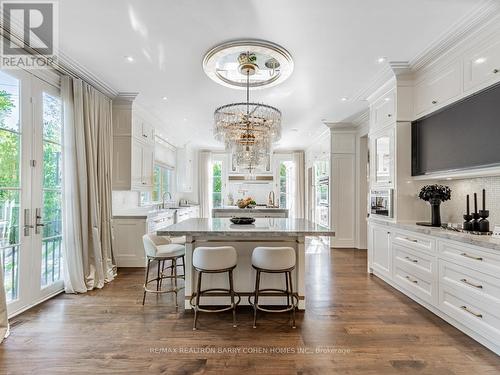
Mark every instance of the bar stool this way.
pixel 214 260
pixel 274 260
pixel 160 249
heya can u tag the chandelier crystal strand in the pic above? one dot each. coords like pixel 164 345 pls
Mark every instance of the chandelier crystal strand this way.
pixel 248 129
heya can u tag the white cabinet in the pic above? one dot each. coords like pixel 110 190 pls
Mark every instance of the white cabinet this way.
pixel 382 160
pixel 383 111
pixel 459 281
pixel 438 89
pixel 133 149
pixel 185 169
pixel 382 255
pixel 482 66
pixel 128 248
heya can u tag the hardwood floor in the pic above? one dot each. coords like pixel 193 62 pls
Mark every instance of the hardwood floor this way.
pixel 359 324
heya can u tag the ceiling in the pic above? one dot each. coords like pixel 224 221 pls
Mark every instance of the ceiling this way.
pixel 335 45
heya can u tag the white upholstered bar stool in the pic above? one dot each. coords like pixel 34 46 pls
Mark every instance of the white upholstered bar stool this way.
pixel 274 260
pixel 214 260
pixel 161 249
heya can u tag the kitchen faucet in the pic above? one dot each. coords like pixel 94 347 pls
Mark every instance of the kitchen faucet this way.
pixel 163 198
pixel 270 199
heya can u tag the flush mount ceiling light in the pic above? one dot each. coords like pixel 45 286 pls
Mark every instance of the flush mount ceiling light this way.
pixel 273 64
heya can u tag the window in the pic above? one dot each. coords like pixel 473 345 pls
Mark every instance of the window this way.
pixel 217 183
pixel 163 181
pixel 285 184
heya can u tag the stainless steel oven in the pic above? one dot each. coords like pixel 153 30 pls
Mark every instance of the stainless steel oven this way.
pixel 381 202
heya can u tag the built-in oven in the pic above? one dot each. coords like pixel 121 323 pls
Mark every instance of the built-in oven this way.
pixel 381 202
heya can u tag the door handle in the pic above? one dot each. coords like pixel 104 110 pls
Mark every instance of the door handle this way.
pixel 38 217
pixel 27 222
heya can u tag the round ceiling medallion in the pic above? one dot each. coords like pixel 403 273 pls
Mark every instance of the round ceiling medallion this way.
pixel 271 64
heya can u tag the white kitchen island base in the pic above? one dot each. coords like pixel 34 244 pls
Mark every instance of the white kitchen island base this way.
pixel 244 238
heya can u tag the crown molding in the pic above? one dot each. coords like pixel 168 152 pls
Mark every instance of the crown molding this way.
pixel 471 22
pixel 360 118
pixel 380 79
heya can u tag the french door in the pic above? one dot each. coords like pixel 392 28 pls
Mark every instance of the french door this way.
pixel 31 246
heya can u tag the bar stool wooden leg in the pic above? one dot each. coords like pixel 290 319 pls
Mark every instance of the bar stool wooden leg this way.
pixel 183 267
pixel 198 289
pixel 231 289
pixel 256 302
pixel 174 264
pixel 146 281
pixel 286 288
pixel 291 292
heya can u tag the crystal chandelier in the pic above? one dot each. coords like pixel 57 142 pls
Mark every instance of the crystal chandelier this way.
pixel 248 129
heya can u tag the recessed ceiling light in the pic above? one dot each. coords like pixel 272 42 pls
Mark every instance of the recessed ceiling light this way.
pixel 164 98
pixel 480 60
pixel 344 99
pixel 387 99
pixel 129 58
pixel 380 60
pixel 185 119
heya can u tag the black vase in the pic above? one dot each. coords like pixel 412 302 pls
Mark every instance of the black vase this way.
pixel 435 212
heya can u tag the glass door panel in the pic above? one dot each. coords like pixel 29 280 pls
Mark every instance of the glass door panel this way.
pixel 10 183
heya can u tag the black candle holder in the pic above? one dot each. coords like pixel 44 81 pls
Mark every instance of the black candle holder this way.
pixel 484 224
pixel 475 222
pixel 467 223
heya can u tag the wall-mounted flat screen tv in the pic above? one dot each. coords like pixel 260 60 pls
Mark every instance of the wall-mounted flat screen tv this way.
pixel 462 136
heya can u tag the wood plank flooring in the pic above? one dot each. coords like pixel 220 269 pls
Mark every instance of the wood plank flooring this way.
pixel 354 324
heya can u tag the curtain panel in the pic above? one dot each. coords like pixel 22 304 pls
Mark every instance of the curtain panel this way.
pixel 86 187
pixel 299 182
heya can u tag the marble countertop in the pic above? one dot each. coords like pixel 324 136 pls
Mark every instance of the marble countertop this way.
pixel 255 209
pixel 144 212
pixel 265 227
pixel 464 238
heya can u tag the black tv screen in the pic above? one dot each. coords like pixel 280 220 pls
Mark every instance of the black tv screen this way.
pixel 464 135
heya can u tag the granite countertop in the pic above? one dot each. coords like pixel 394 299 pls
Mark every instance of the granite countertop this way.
pixel 261 209
pixel 464 238
pixel 268 227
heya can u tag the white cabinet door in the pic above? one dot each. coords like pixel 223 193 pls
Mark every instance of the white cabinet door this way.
pixel 121 163
pixel 148 132
pixel 136 164
pixel 482 66
pixel 382 257
pixel 128 248
pixel 147 165
pixel 383 110
pixel 438 89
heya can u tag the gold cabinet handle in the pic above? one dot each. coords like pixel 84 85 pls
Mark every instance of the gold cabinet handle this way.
pixel 411 240
pixel 477 315
pixel 465 281
pixel 471 256
pixel 412 280
pixel 411 260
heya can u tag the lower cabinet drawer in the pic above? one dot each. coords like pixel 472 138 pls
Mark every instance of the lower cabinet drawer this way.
pixel 479 316
pixel 418 260
pixel 415 282
pixel 473 283
pixel 415 241
pixel 479 259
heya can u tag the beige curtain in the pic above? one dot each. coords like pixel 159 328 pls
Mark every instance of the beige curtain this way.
pixel 299 188
pixel 4 322
pixel 87 187
pixel 205 186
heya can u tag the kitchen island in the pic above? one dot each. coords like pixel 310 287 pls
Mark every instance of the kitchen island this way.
pixel 244 238
pixel 258 211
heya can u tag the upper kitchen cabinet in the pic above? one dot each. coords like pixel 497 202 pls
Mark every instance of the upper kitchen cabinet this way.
pixel 185 169
pixel 133 147
pixel 438 89
pixel 482 66
pixel 383 111
pixel 382 161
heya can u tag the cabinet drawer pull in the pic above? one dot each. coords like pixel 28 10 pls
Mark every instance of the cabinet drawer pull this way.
pixel 389 115
pixel 465 281
pixel 412 280
pixel 471 312
pixel 471 256
pixel 434 102
pixel 411 240
pixel 411 260
pixel 495 71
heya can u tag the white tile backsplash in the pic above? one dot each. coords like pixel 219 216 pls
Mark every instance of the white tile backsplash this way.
pixel 258 191
pixel 452 211
pixel 123 200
